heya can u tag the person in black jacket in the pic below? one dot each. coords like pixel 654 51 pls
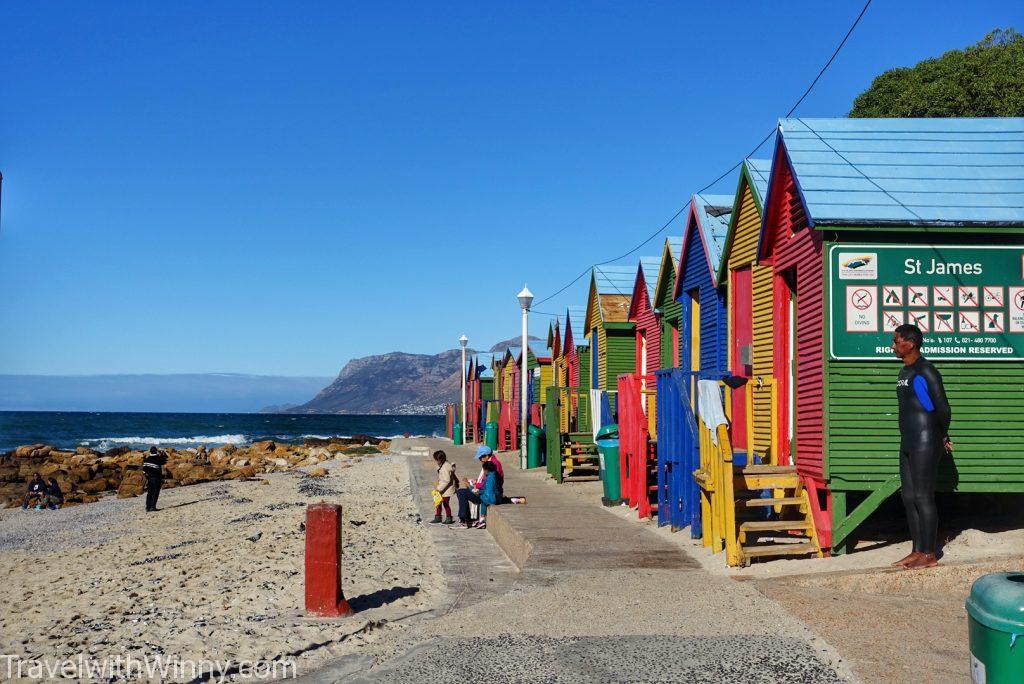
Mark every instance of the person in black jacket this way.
pixel 153 467
pixel 35 492
pixel 924 439
pixel 54 496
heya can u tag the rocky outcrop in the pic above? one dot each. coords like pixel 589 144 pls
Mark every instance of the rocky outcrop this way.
pixel 84 475
pixel 396 383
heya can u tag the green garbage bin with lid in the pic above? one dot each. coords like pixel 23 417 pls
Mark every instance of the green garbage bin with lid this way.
pixel 457 433
pixel 608 455
pixel 491 435
pixel 995 611
pixel 536 444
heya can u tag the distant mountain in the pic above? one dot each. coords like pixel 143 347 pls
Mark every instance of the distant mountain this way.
pixel 391 383
pixel 176 393
pixel 511 342
pixel 400 383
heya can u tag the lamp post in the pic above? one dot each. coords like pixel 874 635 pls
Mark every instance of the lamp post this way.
pixel 463 341
pixel 525 300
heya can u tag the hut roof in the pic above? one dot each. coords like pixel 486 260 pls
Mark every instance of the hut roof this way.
pixel 713 220
pixel 758 171
pixel 575 315
pixel 873 172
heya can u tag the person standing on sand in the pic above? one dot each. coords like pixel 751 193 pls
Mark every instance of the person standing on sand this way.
pixel 447 484
pixel 924 439
pixel 153 467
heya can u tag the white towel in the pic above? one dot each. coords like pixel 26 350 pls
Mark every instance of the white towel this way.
pixel 710 408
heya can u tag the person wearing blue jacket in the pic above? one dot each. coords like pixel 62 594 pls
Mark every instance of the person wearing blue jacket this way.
pixel 489 494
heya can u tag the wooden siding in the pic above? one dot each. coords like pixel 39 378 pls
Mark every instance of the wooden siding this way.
pixel 764 324
pixel 670 326
pixel 743 248
pixel 743 254
pixel 793 246
pixel 696 276
pixel 619 355
pixel 486 388
pixel 647 324
pixel 987 428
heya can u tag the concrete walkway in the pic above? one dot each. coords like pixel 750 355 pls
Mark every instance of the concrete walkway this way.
pixel 596 598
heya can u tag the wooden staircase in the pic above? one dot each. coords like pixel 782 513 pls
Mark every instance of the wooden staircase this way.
pixel 780 524
pixel 579 458
pixel 752 511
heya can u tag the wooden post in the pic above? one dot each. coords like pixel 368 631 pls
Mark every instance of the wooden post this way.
pixel 324 596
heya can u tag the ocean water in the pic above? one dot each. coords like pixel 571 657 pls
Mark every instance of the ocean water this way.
pixel 104 431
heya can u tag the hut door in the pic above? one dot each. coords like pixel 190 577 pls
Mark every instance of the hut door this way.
pixel 643 370
pixel 741 354
pixel 595 354
pixel 785 363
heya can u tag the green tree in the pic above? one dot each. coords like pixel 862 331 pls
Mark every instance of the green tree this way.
pixel 986 79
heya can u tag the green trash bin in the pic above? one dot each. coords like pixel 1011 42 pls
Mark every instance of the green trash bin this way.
pixel 608 454
pixel 535 446
pixel 995 611
pixel 457 434
pixel 491 435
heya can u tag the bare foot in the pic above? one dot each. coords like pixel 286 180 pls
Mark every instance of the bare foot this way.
pixel 907 560
pixel 925 560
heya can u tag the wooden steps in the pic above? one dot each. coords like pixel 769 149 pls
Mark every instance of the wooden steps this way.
pixel 781 501
pixel 786 549
pixel 790 529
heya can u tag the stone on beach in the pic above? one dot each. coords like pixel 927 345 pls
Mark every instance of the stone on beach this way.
pixel 84 474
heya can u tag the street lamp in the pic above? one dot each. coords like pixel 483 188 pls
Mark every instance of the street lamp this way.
pixel 463 341
pixel 525 300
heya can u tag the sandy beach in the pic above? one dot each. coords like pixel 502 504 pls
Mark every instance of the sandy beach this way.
pixel 216 574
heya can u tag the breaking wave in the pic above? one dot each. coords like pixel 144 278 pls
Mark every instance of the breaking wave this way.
pixel 104 443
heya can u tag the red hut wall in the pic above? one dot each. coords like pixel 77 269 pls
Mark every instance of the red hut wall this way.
pixel 795 251
pixel 647 325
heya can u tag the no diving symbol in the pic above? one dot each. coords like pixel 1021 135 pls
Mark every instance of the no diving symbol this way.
pixel 1018 300
pixel 862 299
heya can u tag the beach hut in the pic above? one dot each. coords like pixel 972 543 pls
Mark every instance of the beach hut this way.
pixel 749 307
pixel 666 307
pixel 702 346
pixel 539 378
pixel 479 393
pixel 508 419
pixel 570 447
pixel 610 335
pixel 869 223
pixel 635 399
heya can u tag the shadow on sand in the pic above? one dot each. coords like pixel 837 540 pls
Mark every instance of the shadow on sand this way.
pixel 381 597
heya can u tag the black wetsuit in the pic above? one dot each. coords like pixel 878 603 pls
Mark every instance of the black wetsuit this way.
pixel 924 425
pixel 153 467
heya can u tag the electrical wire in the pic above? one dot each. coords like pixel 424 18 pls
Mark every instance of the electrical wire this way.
pixel 821 72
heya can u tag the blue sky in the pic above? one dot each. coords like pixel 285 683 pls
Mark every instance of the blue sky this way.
pixel 279 187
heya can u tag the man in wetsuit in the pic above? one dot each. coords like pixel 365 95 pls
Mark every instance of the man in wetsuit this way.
pixel 153 467
pixel 924 439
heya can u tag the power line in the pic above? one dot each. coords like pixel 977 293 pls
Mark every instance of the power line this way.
pixel 821 72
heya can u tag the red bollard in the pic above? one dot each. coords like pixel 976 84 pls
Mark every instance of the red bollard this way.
pixel 324 596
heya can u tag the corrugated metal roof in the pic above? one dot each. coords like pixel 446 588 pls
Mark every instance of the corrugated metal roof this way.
pixel 760 171
pixel 612 280
pixel 538 348
pixel 575 315
pixel 650 266
pixel 676 246
pixel 908 171
pixel 714 223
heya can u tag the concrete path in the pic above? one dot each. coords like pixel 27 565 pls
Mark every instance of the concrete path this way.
pixel 597 598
